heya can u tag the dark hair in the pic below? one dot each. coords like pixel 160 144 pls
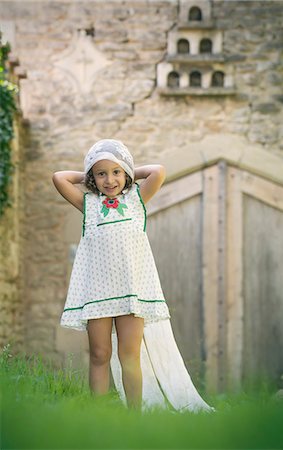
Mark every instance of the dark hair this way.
pixel 90 182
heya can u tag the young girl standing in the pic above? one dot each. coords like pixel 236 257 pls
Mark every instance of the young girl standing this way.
pixel 114 285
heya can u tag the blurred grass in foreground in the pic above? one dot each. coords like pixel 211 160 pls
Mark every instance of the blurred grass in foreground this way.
pixel 43 408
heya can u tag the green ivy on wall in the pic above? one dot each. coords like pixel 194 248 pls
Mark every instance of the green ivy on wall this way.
pixel 7 110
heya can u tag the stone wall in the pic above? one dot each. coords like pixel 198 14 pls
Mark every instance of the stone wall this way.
pixel 91 73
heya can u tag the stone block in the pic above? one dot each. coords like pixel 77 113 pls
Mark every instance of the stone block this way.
pixel 278 98
pixel 274 78
pixel 137 90
pixel 127 55
pixel 266 108
pixel 260 133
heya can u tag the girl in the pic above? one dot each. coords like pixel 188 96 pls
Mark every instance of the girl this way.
pixel 114 286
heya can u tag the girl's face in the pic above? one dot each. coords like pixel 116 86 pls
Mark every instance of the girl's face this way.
pixel 110 178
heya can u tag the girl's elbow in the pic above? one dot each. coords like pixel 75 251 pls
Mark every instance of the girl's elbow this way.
pixel 161 172
pixel 58 174
pixel 56 177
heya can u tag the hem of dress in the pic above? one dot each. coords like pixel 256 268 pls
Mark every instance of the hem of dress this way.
pixel 82 324
pixel 150 310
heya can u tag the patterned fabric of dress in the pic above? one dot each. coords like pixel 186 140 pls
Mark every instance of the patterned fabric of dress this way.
pixel 114 272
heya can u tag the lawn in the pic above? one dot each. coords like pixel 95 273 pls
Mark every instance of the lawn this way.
pixel 44 408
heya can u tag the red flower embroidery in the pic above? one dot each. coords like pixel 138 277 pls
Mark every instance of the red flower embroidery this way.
pixel 111 202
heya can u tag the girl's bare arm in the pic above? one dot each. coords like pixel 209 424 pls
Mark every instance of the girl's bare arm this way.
pixel 154 176
pixel 65 181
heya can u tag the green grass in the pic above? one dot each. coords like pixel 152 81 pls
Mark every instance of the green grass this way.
pixel 44 408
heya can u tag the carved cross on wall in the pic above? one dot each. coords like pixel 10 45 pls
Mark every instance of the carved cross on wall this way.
pixel 81 61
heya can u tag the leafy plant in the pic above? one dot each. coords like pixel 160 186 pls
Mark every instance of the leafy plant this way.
pixel 7 110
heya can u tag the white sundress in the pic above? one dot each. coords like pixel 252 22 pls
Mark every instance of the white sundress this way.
pixel 114 273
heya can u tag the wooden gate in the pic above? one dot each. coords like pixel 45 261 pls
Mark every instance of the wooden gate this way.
pixel 217 238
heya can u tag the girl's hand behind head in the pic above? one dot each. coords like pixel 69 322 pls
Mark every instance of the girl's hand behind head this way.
pixel 154 176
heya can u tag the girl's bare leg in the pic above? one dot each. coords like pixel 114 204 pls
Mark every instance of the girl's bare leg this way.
pixel 100 350
pixel 130 332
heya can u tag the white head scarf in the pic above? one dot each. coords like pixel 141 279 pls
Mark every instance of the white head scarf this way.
pixel 112 150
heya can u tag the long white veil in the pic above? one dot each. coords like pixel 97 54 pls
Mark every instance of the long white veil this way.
pixel 165 377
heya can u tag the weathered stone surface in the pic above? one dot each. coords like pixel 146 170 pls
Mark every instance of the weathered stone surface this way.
pixel 266 108
pixel 122 102
pixel 278 98
pixel 274 79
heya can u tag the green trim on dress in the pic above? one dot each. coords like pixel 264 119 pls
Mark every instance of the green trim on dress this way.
pixel 114 298
pixel 113 221
pixel 144 208
pixel 84 212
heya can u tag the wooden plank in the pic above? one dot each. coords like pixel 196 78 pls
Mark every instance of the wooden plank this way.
pixel 234 296
pixel 221 303
pixel 175 192
pixel 263 291
pixel 264 190
pixel 210 274
pixel 175 238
